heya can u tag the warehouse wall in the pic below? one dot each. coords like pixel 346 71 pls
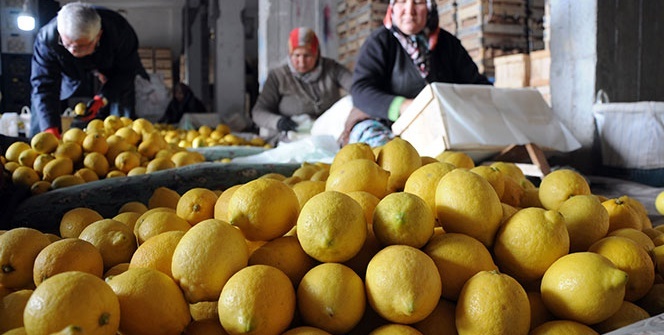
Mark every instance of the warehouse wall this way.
pixel 613 45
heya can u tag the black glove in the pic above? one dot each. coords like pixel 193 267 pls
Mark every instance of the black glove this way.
pixel 286 124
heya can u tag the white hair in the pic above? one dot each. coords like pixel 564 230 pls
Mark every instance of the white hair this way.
pixel 78 20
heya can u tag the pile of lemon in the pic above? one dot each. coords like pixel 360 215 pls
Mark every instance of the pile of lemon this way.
pixel 113 147
pixel 380 241
pixel 205 136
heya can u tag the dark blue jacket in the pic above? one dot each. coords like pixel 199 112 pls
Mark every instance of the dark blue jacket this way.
pixel 56 74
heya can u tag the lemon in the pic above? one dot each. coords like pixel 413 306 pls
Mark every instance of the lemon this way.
pixel 583 286
pixel 331 227
pixel 263 209
pixel 72 298
pixel 494 176
pixel 127 160
pixel 66 181
pixel 158 222
pixel 71 150
pixel 621 214
pixel 76 219
pixel 44 142
pixel 529 242
pixel 331 297
pixel 458 257
pixel 157 252
pixel 403 218
pixel 400 159
pixel 24 177
pixel 114 239
pixel 286 254
pixel 14 150
pixel 306 189
pixel 73 134
pixel 539 314
pixel 129 135
pixel 456 158
pixel 259 299
pixel 133 206
pixel 563 327
pixel 58 167
pixel 40 187
pixel 560 185
pixel 68 254
pixel 159 164
pixel 19 248
pixel 41 161
pixel 638 236
pixel 653 301
pixel 659 203
pixel 359 150
pixel 491 302
pixel 305 171
pixel 11 309
pixel 96 162
pixel 368 202
pixel 163 197
pixel 423 181
pixel 86 174
pixel 630 257
pixel 221 206
pixel 586 219
pixel 467 203
pixel 629 313
pixel 204 310
pixel 358 175
pixel 395 328
pixel 206 256
pixel 305 330
pixel 402 284
pixel 28 157
pixel 150 302
pixel 196 205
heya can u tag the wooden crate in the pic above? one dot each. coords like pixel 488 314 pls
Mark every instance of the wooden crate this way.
pixel 512 71
pixel 540 68
pixel 477 12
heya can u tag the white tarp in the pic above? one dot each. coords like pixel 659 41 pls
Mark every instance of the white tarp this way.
pixel 460 117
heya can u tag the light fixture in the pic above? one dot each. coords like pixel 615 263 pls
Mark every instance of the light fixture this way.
pixel 26 19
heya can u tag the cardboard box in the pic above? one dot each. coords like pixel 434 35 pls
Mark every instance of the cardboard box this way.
pixel 481 120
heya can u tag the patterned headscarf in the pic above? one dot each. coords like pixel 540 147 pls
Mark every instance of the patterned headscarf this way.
pixel 303 37
pixel 419 45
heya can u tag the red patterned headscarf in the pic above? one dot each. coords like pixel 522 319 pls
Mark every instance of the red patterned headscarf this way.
pixel 303 37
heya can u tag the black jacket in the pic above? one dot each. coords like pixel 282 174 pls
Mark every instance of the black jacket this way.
pixel 384 70
pixel 56 74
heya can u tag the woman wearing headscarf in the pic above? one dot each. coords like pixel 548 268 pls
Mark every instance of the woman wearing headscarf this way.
pixel 396 62
pixel 307 84
pixel 184 101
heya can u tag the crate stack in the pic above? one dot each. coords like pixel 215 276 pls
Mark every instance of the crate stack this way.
pixel 447 15
pixel 159 61
pixel 357 19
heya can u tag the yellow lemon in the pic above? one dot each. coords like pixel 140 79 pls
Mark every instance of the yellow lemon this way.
pixel 369 249
pixel 621 214
pixel 96 162
pixel 150 302
pixel 263 209
pixel 629 313
pixel 114 239
pixel 133 206
pixel 66 181
pixel 583 286
pixel 586 219
pixel 514 193
pixel 286 254
pixel 19 248
pixel 127 160
pixel 24 177
pixel 87 174
pixel 44 142
pixel 359 150
pixel 456 158
pixel 95 142
pixel 129 135
pixel 58 167
pixel 400 159
pixel 259 299
pixel 467 203
pixel 403 218
pixel 76 219
pixel 204 310
pixel 306 189
pixel 163 197
pixel 157 252
pixel 68 254
pixel 28 157
pixel 560 185
pixel 158 222
pixel 221 206
pixel 305 171
pixel 159 164
pixel 331 297
pixel 630 257
pixel 206 256
pixel 71 150
pixel 563 327
pixel 423 181
pixel 358 175
pixel 491 302
pixel 75 135
pixel 196 205
pixel 395 328
pixel 305 330
pixel 640 237
pixel 653 302
pixel 539 314
pixel 116 270
pixel 11 309
pixel 41 161
pixel 274 175
pixel 659 203
pixel 458 257
pixel 442 320
pixel 72 298
pixel 368 202
pixel 529 242
pixel 40 187
pixel 331 227
pixel 402 284
pixel 14 150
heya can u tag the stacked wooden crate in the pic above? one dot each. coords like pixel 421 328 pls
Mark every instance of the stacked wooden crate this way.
pixel 357 18
pixel 447 15
pixel 158 60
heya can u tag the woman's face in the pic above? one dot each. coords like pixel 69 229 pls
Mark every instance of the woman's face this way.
pixel 303 60
pixel 410 16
